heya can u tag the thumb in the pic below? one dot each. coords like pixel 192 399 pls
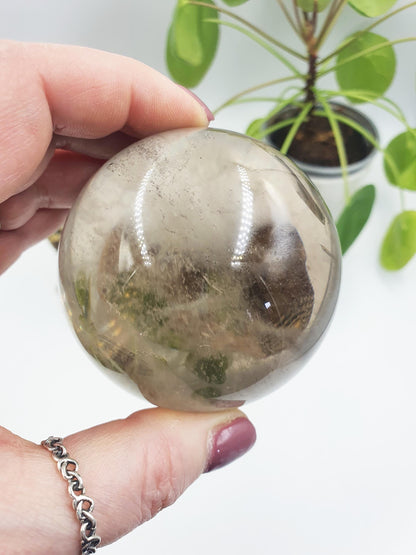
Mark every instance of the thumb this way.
pixel 131 468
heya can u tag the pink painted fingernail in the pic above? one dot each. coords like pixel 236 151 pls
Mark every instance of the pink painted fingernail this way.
pixel 208 112
pixel 229 442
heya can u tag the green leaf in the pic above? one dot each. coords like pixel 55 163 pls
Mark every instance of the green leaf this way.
pixel 255 127
pixel 400 160
pixel 192 43
pixel 355 215
pixel 372 8
pixel 399 244
pixel 309 5
pixel 188 43
pixel 365 64
pixel 234 2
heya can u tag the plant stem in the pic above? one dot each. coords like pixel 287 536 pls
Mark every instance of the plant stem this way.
pixel 315 14
pixel 298 20
pixel 253 89
pixel 354 125
pixel 259 41
pixel 364 53
pixel 311 80
pixel 281 125
pixel 372 140
pixel 310 27
pixel 371 98
pixel 339 141
pixel 263 34
pixel 294 129
pixel 281 105
pixel 333 14
pixel 255 99
pixel 366 30
pixel 290 19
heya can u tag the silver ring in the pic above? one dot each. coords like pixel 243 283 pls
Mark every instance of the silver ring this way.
pixel 82 504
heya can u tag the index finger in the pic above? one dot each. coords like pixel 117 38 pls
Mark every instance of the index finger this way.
pixel 78 92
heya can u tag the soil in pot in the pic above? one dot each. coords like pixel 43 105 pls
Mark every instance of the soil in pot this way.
pixel 314 142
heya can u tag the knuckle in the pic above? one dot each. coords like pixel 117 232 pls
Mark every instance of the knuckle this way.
pixel 164 488
pixel 14 212
pixel 159 481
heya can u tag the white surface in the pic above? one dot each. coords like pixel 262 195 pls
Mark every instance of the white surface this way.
pixel 333 471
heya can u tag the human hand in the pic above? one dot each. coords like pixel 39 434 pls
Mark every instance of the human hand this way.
pixel 63 110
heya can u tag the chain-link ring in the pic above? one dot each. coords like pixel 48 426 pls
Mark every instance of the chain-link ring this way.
pixel 83 505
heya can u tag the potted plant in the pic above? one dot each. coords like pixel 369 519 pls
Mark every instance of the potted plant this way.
pixel 364 65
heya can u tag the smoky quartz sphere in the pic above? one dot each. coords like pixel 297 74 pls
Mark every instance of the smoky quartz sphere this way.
pixel 200 267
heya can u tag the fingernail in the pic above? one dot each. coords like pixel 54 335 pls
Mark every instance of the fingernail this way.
pixel 208 112
pixel 230 442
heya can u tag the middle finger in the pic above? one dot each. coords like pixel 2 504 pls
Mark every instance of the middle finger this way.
pixel 57 187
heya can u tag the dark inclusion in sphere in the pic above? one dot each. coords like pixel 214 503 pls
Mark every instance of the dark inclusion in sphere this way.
pixel 201 267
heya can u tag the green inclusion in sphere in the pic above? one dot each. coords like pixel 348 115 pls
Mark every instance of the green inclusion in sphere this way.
pixel 201 267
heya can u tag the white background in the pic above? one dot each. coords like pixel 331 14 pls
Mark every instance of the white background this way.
pixel 334 468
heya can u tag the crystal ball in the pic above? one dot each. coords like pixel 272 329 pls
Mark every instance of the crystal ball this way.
pixel 200 267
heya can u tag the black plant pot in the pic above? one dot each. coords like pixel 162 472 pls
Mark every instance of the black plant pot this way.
pixel 313 151
pixel 312 160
